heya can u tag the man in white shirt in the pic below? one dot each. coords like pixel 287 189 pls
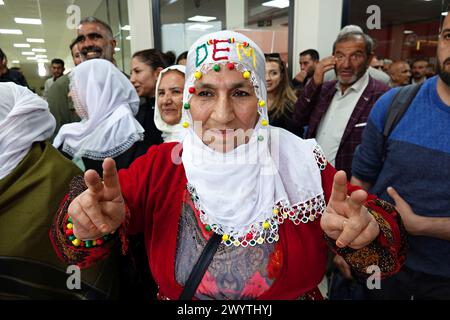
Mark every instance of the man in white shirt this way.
pixel 57 70
pixel 336 111
pixel 332 126
pixel 375 73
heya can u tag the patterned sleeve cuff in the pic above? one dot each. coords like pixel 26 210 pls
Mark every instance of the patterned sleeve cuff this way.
pixel 388 251
pixel 75 251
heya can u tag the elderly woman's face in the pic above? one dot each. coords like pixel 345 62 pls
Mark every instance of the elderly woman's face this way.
pixel 170 96
pixel 223 103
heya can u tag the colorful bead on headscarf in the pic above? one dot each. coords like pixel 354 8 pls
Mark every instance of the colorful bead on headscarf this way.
pixel 227 50
pixel 198 75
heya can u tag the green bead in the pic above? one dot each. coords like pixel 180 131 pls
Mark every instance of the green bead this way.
pixel 216 68
pixel 187 106
pixel 72 237
pixel 88 243
pixel 106 237
pixel 260 138
pixel 208 227
pixel 69 220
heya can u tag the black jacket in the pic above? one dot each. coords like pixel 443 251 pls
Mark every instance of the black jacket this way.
pixel 14 76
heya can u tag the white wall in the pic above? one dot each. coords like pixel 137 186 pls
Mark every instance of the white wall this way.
pixel 316 25
pixel 235 13
pixel 141 24
pixel 178 37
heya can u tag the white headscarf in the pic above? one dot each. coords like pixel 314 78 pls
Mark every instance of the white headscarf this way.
pixel 246 193
pixel 24 119
pixel 170 133
pixel 106 102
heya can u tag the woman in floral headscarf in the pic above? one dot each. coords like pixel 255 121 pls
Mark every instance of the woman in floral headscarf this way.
pixel 265 194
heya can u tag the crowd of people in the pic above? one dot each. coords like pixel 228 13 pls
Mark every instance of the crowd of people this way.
pixel 212 175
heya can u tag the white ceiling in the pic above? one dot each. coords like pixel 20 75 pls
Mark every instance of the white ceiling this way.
pixel 179 11
pixel 53 30
pixel 58 36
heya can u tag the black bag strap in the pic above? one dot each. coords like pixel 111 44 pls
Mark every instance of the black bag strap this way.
pixel 200 267
pixel 402 100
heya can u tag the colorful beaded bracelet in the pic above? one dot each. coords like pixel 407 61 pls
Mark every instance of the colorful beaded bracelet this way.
pixel 68 230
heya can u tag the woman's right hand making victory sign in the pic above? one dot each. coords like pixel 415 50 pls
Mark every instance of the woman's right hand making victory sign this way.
pixel 100 209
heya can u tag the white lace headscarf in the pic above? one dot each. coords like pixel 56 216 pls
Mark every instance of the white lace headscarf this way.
pixel 107 102
pixel 170 133
pixel 246 193
pixel 24 119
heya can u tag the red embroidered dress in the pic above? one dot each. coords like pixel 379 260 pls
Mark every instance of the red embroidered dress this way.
pixel 155 191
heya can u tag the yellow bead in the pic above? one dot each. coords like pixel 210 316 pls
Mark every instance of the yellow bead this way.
pixel 198 75
pixel 69 226
pixel 264 123
pixel 266 225
pixel 276 211
pixel 312 218
pixel 94 243
pixel 185 125
pixel 225 237
pixel 262 103
pixel 246 75
pixel 76 242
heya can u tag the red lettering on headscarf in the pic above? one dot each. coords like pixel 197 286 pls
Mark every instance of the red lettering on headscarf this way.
pixel 216 50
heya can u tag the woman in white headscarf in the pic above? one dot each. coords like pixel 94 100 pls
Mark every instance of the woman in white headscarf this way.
pixel 33 179
pixel 268 200
pixel 106 102
pixel 169 102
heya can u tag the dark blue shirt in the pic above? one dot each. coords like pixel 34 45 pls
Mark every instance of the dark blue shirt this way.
pixel 417 165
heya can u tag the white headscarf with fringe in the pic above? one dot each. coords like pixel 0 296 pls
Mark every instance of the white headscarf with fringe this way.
pixel 246 193
pixel 24 119
pixel 107 102
pixel 170 133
